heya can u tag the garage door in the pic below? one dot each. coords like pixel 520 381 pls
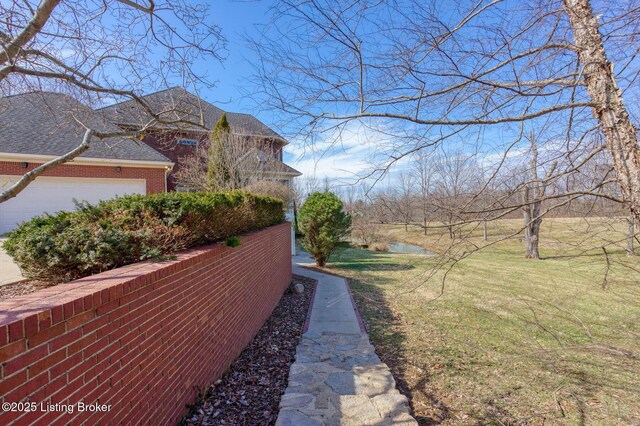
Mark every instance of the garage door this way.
pixel 51 195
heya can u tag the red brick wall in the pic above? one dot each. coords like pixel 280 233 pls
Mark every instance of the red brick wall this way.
pixel 153 176
pixel 167 144
pixel 142 338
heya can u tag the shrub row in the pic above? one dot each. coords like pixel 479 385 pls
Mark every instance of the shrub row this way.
pixel 110 234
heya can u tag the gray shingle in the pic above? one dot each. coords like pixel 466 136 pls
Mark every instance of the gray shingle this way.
pixel 45 123
pixel 246 124
pixel 256 159
pixel 178 105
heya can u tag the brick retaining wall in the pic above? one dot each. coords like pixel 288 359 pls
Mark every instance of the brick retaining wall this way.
pixel 142 338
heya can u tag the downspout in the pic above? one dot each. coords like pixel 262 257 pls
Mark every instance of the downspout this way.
pixel 292 213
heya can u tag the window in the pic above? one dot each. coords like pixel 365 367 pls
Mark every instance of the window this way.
pixel 188 142
pixel 277 153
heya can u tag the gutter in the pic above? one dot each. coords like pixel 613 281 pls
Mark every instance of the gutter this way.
pixel 178 129
pixel 7 156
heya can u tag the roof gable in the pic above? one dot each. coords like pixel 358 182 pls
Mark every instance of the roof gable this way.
pixel 258 160
pixel 194 113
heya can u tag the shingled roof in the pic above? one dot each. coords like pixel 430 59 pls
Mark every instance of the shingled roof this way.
pixel 258 160
pixel 192 112
pixel 45 123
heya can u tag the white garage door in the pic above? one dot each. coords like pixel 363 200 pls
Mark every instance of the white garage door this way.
pixel 50 195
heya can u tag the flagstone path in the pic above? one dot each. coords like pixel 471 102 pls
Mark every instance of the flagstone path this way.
pixel 337 378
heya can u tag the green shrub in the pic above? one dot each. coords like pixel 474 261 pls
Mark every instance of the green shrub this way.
pixel 96 238
pixel 233 241
pixel 323 224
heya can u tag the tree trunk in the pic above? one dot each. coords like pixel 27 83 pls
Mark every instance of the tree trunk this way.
pixel 425 225
pixel 631 231
pixel 532 233
pixel 620 135
pixel 484 231
pixel 532 221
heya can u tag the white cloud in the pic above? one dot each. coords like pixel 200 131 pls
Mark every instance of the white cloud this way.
pixel 338 155
pixel 67 53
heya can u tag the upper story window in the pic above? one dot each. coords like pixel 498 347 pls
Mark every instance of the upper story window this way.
pixel 277 152
pixel 188 142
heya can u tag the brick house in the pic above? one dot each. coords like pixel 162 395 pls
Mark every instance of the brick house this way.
pixel 37 127
pixel 178 145
pixel 40 126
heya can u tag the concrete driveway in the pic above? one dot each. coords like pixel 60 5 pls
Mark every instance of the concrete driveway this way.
pixel 9 271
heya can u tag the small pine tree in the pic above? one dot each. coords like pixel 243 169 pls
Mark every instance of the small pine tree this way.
pixel 217 169
pixel 324 225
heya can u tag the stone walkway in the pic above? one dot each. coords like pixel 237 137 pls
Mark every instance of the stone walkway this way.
pixel 337 378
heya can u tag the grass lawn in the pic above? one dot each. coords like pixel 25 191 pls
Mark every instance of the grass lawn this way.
pixel 505 340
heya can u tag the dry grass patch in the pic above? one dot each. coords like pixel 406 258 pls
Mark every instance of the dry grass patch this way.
pixel 509 340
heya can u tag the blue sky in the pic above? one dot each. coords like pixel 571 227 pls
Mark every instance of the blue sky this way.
pixel 343 163
pixel 240 18
pixel 236 18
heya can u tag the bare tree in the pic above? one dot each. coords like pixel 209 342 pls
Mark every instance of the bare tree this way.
pixel 403 198
pixel 455 177
pixel 621 137
pixel 350 196
pixel 327 185
pixel 424 171
pixel 311 184
pixel 365 228
pixel 532 196
pixel 101 52
pixel 272 189
pixel 379 208
pixel 243 163
pixel 365 222
pixel 435 74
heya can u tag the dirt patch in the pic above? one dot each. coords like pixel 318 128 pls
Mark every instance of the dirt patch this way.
pixel 249 392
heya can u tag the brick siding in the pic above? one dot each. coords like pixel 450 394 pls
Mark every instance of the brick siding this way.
pixel 167 143
pixel 143 338
pixel 153 176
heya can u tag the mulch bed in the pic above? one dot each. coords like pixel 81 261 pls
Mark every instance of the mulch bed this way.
pixel 249 392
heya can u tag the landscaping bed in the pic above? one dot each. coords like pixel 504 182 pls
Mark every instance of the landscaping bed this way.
pixel 110 234
pixel 54 249
pixel 250 391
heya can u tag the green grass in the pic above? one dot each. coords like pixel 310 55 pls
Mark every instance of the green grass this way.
pixel 503 339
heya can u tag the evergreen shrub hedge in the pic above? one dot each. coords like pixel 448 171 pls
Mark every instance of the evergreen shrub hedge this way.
pixel 95 238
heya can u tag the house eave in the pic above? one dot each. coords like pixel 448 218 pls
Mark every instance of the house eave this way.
pixel 273 173
pixel 137 126
pixel 8 156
